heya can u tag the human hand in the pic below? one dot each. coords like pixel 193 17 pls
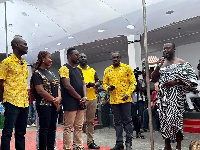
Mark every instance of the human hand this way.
pixel 57 100
pixel 161 61
pixel 90 84
pixel 171 83
pixel 57 106
pixel 125 97
pixel 111 88
pixel 82 102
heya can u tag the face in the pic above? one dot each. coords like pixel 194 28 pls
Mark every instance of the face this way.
pixel 116 59
pixel 83 59
pixel 168 50
pixel 22 47
pixel 47 61
pixel 75 57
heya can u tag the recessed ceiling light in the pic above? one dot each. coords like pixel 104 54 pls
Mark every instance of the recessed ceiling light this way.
pixel 63 49
pixel 101 30
pixel 130 26
pixel 25 14
pixel 59 44
pixel 36 24
pixel 11 1
pixel 169 12
pixel 70 37
pixel 46 48
pixel 33 33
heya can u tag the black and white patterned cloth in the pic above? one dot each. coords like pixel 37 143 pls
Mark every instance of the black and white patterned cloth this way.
pixel 172 99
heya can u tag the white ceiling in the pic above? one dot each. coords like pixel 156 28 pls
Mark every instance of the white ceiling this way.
pixel 46 23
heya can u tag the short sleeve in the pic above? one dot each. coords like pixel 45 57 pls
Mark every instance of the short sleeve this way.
pixel 63 72
pixel 3 70
pixel 37 80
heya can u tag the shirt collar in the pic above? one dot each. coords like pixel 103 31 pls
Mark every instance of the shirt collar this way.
pixel 88 67
pixel 120 64
pixel 14 57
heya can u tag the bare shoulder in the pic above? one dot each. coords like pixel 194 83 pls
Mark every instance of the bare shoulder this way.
pixel 181 61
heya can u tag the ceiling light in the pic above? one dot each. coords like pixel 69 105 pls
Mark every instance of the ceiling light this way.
pixel 33 33
pixel 169 12
pixel 70 37
pixel 36 24
pixel 101 31
pixel 11 1
pixel 25 14
pixel 63 49
pixel 59 44
pixel 130 26
pixel 46 48
pixel 49 35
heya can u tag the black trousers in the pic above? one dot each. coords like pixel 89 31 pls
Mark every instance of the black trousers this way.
pixel 14 117
pixel 47 126
pixel 135 117
pixel 122 118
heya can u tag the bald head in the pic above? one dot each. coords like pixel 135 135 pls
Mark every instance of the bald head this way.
pixel 15 41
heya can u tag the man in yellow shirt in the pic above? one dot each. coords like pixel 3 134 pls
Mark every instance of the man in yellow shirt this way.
pixel 120 81
pixel 92 81
pixel 13 93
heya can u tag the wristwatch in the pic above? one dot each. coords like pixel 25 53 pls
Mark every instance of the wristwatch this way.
pixel 85 98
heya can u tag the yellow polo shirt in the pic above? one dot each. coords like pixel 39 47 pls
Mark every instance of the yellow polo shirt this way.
pixel 124 81
pixel 15 81
pixel 89 76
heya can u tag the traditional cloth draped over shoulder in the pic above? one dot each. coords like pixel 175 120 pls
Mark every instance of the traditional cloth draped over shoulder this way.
pixel 172 99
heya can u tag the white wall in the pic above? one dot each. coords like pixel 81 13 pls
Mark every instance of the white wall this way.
pixel 188 52
pixel 101 66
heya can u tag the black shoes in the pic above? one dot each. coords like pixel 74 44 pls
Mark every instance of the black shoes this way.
pixel 118 147
pixel 139 135
pixel 93 146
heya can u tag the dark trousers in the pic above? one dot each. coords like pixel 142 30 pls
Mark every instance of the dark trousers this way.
pixel 146 118
pixel 105 117
pixel 122 118
pixel 135 117
pixel 14 117
pixel 47 126
pixel 60 115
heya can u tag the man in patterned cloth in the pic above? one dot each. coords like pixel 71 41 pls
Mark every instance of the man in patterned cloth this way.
pixel 175 76
pixel 120 81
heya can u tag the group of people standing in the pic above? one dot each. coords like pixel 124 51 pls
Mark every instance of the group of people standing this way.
pixel 76 90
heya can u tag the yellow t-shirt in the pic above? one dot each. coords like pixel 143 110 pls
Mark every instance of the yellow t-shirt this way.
pixel 124 81
pixel 89 76
pixel 15 84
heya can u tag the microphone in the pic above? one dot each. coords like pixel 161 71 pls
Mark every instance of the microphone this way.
pixel 164 56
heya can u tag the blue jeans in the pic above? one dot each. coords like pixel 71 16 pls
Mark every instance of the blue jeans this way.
pixel 31 114
pixel 123 118
pixel 14 117
pixel 146 118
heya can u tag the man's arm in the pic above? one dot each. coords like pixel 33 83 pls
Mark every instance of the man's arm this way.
pixel 1 89
pixel 105 81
